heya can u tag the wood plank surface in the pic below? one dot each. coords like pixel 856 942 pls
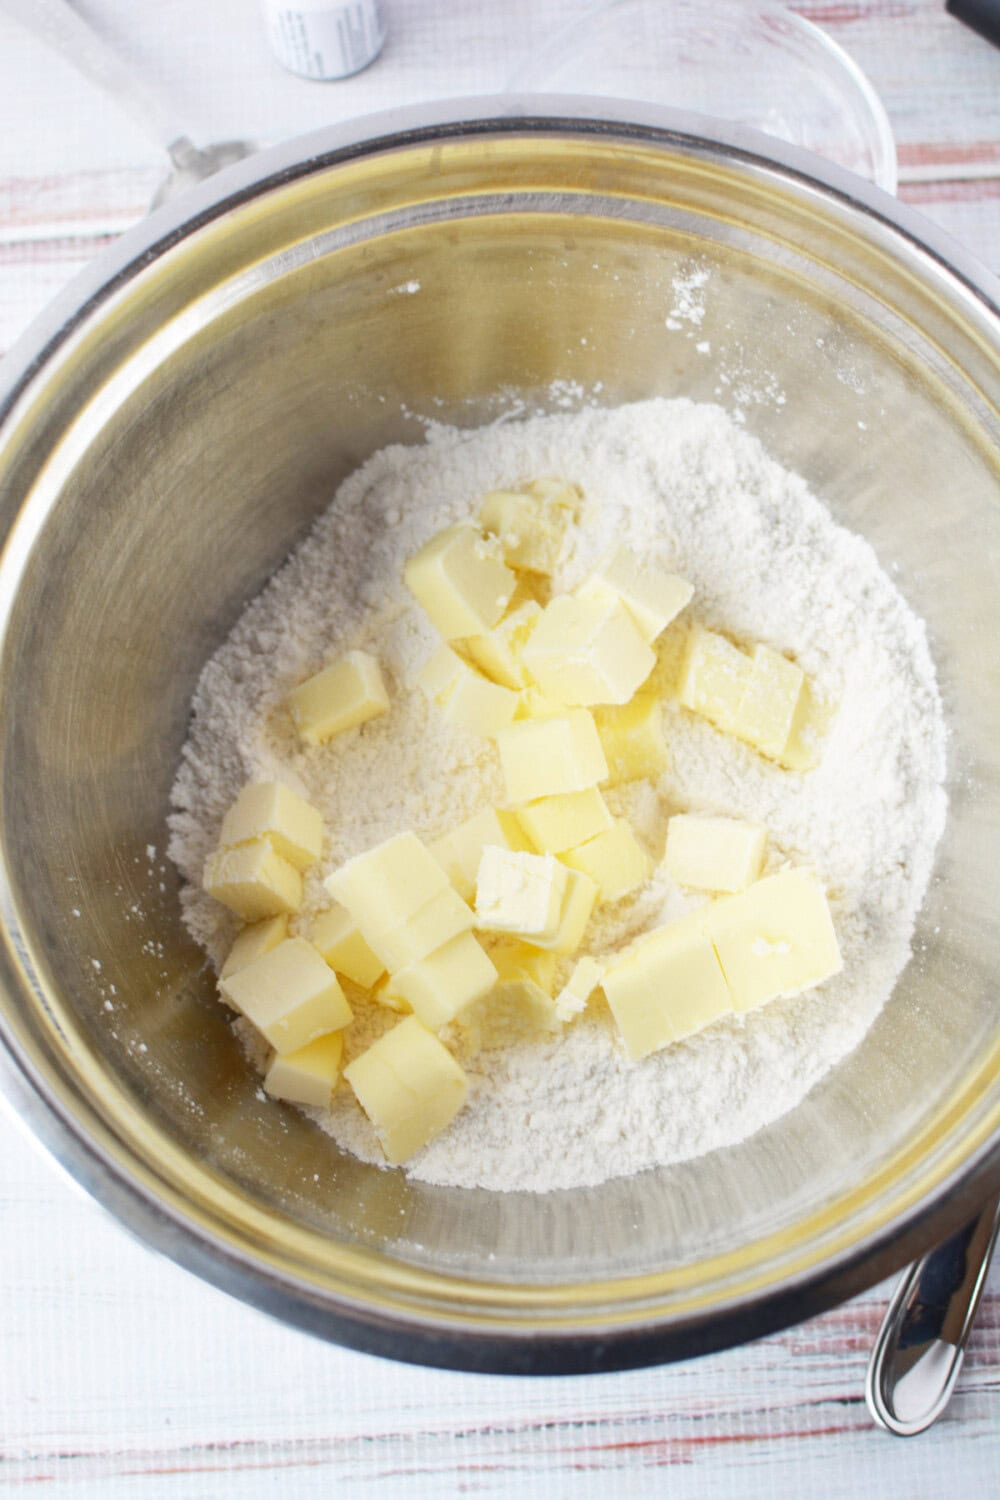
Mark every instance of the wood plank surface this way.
pixel 120 1375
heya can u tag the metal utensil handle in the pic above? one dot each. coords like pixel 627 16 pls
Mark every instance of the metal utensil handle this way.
pixel 60 27
pixel 921 1344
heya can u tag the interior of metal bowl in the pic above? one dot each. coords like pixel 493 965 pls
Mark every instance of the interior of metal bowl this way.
pixel 162 455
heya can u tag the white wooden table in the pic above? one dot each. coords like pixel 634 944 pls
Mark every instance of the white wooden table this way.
pixel 121 1376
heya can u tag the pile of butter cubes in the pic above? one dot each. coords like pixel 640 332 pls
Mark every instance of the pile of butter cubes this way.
pixel 472 925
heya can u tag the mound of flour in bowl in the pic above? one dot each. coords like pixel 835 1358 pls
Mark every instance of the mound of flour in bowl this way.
pixel 683 484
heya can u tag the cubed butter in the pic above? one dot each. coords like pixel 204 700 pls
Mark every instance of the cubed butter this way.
pixel 533 704
pixel 578 904
pixel 336 935
pixel 804 745
pixel 460 851
pixel 632 739
pixel 385 994
pixel 587 976
pixel 253 880
pixel 553 824
pixel 531 526
pixel 268 809
pixel 386 885
pixel 765 716
pixel 775 939
pixel 461 580
pixel 439 920
pixel 499 652
pixel 615 860
pixel 259 938
pixel 521 1000
pixel 670 985
pixel 586 651
pixel 345 694
pixel 715 677
pixel 515 959
pixel 540 757
pixel 551 490
pixel 440 986
pixel 714 854
pixel 465 696
pixel 290 994
pixel 652 595
pixel 409 1086
pixel 308 1076
pixel 521 894
pixel 671 653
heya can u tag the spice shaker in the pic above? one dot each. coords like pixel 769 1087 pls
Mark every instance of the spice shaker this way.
pixel 324 39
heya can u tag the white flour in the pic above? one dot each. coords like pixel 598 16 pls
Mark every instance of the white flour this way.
pixel 684 483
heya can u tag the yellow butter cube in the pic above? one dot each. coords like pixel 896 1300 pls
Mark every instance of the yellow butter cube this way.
pixel 515 959
pixel 533 704
pixel 518 893
pixel 290 994
pixel 521 1000
pixel 614 859
pixel 578 904
pixel 498 653
pixel 384 993
pixel 461 580
pixel 460 851
pixel 260 938
pixel 803 747
pixel 267 809
pixel 551 490
pixel 540 757
pixel 587 976
pixel 439 920
pixel 767 711
pixel 560 822
pixel 440 986
pixel 585 651
pixel 775 939
pixel 409 1086
pixel 667 987
pixel 714 854
pixel 345 694
pixel 632 739
pixel 465 696
pixel 387 884
pixel 715 677
pixel 531 526
pixel 671 653
pixel 253 880
pixel 652 595
pixel 308 1076
pixel 336 935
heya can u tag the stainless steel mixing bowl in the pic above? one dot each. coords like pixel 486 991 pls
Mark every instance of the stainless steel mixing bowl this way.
pixel 171 430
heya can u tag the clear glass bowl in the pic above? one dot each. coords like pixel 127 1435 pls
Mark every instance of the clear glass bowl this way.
pixel 756 64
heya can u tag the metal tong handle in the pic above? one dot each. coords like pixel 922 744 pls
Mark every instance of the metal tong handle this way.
pixel 921 1344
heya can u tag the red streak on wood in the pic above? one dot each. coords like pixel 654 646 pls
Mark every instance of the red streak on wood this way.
pixel 54 252
pixel 844 14
pixel 948 153
pixel 669 1451
pixel 978 190
pixel 80 196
